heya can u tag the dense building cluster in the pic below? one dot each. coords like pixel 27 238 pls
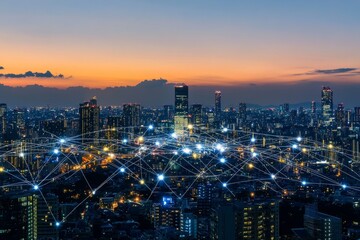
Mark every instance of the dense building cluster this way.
pixel 180 172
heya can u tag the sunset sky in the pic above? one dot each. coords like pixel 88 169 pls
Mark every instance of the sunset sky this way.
pixel 199 42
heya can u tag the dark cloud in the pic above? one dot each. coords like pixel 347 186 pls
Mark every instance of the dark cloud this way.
pixel 350 71
pixel 1 67
pixel 156 93
pixel 46 74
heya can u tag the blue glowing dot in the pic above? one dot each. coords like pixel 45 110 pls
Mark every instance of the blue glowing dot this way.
pixel 224 184
pixel 151 127
pixel 56 151
pixel 299 139
pixel 62 140
pixel 252 139
pixel 273 176
pixel 187 150
pixel 161 177
pixel 254 154
pixel 124 140
pixel 57 224
pixel 199 146
pixel 174 135
pixel 122 169
pixel 344 186
pixel 93 192
pixel 294 146
pixel 222 160
pixel 225 129
pixel 157 143
pixel 36 187
pixel 176 153
pixel 303 183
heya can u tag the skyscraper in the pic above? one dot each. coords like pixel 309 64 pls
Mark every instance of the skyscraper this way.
pixel 218 107
pixel 246 220
pixel 89 122
pixel 327 103
pixel 181 120
pixel 196 114
pixel 242 113
pixel 131 115
pixel 3 115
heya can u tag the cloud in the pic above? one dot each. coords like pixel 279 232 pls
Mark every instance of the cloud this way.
pixel 1 67
pixel 46 74
pixel 344 71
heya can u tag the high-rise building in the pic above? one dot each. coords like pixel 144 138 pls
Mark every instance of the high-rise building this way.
pixel 242 113
pixel 181 120
pixel 18 216
pixel 340 115
pixel 327 103
pixel 188 224
pixel 319 226
pixel 196 114
pixel 218 110
pixel 112 126
pixel 356 116
pixel 3 119
pixel 246 220
pixel 46 211
pixel 313 107
pixel 168 112
pixel 89 122
pixel 131 115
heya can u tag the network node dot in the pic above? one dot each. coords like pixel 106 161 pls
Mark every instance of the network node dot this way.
pixel 161 177
pixel 151 127
pixel 36 187
pixel 222 160
pixel 122 169
pixel 224 184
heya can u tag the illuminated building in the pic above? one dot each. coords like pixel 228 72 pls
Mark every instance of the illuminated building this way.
pixel 327 103
pixel 340 115
pixel 89 122
pixel 181 120
pixel 188 224
pixel 112 126
pixel 46 228
pixel 319 225
pixel 131 115
pixel 242 113
pixel 246 220
pixel 166 215
pixel 18 216
pixel 357 115
pixel 218 110
pixel 3 118
pixel 196 114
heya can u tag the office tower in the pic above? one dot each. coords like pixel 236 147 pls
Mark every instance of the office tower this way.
pixel 89 122
pixel 112 126
pixel 188 224
pixel 356 115
pixel 313 107
pixel 18 216
pixel 242 112
pixel 3 119
pixel 340 115
pixel 319 226
pixel 327 103
pixel 181 121
pixel 218 111
pixel 196 114
pixel 55 127
pixel 166 215
pixel 46 211
pixel 245 220
pixel 168 112
pixel 286 107
pixel 355 151
pixel 131 115
pixel 204 199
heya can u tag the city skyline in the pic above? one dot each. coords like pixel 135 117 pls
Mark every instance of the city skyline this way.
pixel 99 45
